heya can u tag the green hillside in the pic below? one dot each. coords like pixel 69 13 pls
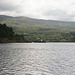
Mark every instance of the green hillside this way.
pixel 23 23
pixel 37 29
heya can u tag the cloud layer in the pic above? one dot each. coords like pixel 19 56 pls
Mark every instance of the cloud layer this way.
pixel 41 9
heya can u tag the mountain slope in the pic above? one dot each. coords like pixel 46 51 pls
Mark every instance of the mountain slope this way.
pixel 25 23
pixel 3 17
pixel 41 30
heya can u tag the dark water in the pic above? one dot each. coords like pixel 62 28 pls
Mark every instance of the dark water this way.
pixel 37 59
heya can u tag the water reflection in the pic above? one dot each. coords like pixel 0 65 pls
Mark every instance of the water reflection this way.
pixel 37 59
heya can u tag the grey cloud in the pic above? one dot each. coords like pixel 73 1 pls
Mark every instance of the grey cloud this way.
pixel 59 14
pixel 7 6
pixel 44 9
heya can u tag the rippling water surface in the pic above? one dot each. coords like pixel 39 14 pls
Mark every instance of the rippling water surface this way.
pixel 37 59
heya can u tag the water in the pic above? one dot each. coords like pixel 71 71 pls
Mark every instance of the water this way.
pixel 37 59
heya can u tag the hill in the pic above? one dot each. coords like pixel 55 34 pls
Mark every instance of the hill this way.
pixel 3 17
pixel 38 29
pixel 25 22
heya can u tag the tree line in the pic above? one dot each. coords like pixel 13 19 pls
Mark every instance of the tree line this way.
pixel 8 35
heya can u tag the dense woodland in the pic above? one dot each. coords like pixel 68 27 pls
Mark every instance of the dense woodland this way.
pixel 41 35
pixel 8 35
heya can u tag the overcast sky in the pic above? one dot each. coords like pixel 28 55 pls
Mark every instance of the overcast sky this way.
pixel 41 9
